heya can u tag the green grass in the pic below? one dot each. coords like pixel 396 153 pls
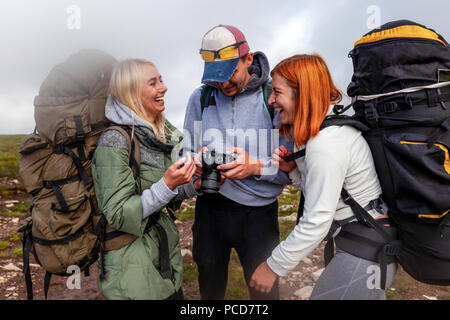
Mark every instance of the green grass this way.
pixel 185 214
pixel 18 252
pixel 4 245
pixel 14 237
pixel 23 206
pixel 236 286
pixel 288 202
pixel 285 229
pixel 293 190
pixel 190 276
pixel 13 213
pixel 6 191
pixel 288 199
pixel 9 155
pixel 20 209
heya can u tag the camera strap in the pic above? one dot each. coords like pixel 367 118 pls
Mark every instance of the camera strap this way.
pixel 294 155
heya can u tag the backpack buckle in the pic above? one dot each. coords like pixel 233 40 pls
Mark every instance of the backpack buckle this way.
pixel 80 136
pixel 371 114
pixel 58 149
pixel 346 197
pixel 390 107
pixel 390 250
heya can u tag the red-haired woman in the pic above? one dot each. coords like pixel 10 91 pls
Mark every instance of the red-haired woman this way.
pixel 336 157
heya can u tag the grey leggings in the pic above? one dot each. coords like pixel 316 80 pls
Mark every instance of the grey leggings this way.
pixel 351 278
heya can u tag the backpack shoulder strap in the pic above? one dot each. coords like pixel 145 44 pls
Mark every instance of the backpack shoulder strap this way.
pixel 332 120
pixel 341 120
pixel 206 99
pixel 267 91
pixel 294 155
pixel 134 153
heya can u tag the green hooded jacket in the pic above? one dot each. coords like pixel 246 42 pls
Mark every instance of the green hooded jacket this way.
pixel 132 272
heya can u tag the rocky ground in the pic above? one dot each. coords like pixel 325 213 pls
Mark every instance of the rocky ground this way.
pixel 297 285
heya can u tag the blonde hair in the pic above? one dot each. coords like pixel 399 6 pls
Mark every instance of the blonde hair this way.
pixel 127 82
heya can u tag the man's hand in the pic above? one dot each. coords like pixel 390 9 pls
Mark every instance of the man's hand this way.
pixel 242 167
pixel 263 278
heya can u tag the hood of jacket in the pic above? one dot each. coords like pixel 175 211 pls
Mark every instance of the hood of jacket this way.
pixel 122 115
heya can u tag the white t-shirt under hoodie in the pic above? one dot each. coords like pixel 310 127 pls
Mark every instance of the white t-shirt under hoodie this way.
pixel 338 156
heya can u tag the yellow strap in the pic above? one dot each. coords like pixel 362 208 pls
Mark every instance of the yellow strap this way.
pixel 408 31
pixel 447 155
pixel 433 216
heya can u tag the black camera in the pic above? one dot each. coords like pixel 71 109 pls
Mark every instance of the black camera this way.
pixel 210 173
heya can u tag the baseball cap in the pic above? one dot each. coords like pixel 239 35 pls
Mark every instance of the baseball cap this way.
pixel 220 64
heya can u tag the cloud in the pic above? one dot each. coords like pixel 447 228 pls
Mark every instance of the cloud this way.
pixel 35 37
pixel 17 114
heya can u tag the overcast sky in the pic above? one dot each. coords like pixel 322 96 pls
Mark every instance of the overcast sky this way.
pixel 38 34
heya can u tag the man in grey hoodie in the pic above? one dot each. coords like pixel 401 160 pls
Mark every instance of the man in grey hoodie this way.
pixel 244 213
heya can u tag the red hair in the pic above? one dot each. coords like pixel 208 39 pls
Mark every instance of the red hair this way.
pixel 314 92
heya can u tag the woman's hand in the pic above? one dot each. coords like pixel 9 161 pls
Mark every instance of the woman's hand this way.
pixel 180 172
pixel 263 278
pixel 280 163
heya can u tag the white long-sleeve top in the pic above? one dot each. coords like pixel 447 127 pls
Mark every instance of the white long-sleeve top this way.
pixel 338 156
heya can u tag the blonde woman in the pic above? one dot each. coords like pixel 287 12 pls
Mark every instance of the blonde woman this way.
pixel 136 103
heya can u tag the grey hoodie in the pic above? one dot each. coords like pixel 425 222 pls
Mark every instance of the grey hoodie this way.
pixel 241 121
pixel 152 153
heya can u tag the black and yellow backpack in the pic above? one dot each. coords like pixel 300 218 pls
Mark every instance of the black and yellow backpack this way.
pixel 401 102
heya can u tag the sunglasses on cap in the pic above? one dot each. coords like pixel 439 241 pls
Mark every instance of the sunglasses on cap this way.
pixel 225 53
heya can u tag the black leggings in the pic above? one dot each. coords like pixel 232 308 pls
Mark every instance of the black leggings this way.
pixel 222 224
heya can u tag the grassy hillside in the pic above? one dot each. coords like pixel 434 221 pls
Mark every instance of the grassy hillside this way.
pixel 9 155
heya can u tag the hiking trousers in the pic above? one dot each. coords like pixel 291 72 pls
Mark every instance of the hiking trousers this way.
pixel 348 277
pixel 222 224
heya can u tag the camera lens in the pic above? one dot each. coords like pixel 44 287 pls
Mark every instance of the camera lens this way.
pixel 210 174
